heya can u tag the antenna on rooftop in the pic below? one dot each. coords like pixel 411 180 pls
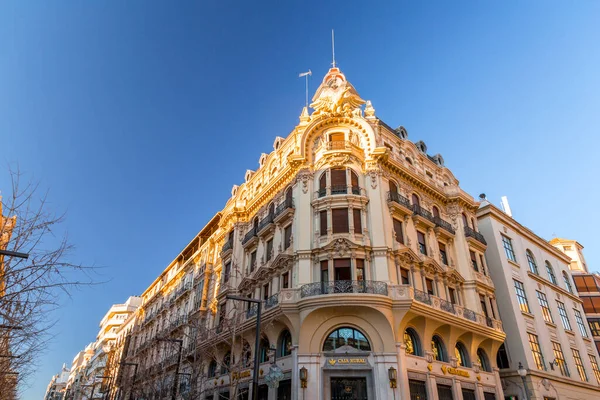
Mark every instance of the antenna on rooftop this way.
pixel 306 75
pixel 333 47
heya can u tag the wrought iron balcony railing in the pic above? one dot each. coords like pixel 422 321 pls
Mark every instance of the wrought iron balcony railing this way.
pixel 227 246
pixel 271 301
pixel 398 198
pixel 470 232
pixel 340 287
pixel 418 210
pixel 249 235
pixel 443 224
pixel 287 203
pixel 422 297
pixel 264 222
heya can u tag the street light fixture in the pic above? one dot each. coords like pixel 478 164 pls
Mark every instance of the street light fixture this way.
pixel 14 254
pixel 523 373
pixel 176 382
pixel 256 343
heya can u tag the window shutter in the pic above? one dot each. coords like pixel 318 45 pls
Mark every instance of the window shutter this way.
pixel 341 263
pixel 354 179
pixel 340 220
pixel 398 230
pixel 323 181
pixel 338 177
pixel 323 216
pixel 357 221
pixel 287 236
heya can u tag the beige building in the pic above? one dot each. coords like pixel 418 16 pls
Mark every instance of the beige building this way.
pixel 365 254
pixel 541 313
pixel 587 283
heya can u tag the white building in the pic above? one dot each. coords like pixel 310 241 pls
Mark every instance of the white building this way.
pixel 541 313
pixel 58 385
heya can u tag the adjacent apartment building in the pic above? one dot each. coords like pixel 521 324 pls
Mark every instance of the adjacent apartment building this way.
pixel 549 353
pixel 364 253
pixel 586 283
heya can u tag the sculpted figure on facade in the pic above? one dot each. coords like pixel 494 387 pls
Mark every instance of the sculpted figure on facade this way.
pixel 336 96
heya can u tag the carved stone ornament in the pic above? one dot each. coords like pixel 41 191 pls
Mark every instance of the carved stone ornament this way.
pixel 335 96
pixel 334 160
pixel 341 247
pixel 374 173
pixel 304 176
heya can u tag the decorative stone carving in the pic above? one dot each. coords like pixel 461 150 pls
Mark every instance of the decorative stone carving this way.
pixel 335 96
pixel 304 176
pixel 374 174
pixel 369 110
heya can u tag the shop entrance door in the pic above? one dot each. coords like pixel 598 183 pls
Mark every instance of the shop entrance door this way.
pixel 349 389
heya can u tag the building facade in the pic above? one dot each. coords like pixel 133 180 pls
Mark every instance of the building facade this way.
pixel 58 385
pixel 586 283
pixel 366 257
pixel 547 341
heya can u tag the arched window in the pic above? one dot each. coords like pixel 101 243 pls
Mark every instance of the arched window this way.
pixel 465 220
pixel 212 369
pixel 323 184
pixel 288 195
pixel 531 261
pixel 271 209
pixel 483 360
pixel 408 160
pixel 354 182
pixel 412 342
pixel 438 349
pixel 393 187
pixel 567 282
pixel 415 200
pixel 346 337
pixel 502 357
pixel 246 355
pixel 550 272
pixel 461 354
pixel 285 344
pixel 226 363
pixel 255 223
pixel 435 211
pixel 263 355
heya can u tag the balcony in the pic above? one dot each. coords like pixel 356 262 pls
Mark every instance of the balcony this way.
pixel 250 237
pixel 444 226
pixel 283 211
pixel 227 248
pixel 271 301
pixel 342 287
pixel 340 190
pixel 422 216
pixel 182 290
pixel 399 203
pixel 473 234
pixel 264 224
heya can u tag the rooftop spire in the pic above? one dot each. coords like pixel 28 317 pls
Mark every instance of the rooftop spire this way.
pixel 333 48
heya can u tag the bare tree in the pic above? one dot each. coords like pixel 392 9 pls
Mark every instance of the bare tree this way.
pixel 30 289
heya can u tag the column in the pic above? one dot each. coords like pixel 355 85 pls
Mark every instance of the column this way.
pixel 403 390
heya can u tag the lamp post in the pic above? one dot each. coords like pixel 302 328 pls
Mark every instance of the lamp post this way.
pixel 134 376
pixel 176 381
pixel 523 373
pixel 256 343
pixel 14 254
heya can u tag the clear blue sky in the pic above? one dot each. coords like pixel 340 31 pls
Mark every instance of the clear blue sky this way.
pixel 139 116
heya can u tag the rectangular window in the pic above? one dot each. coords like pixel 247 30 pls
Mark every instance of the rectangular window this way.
pixel 287 236
pixel 252 261
pixel 474 261
pixel 398 231
pixel 444 392
pixel 538 357
pixel 545 307
pixel 559 358
pixel 417 389
pixel 338 181
pixel 265 291
pixel 483 305
pixel 357 221
pixel 579 364
pixel 339 220
pixel 404 276
pixel 226 272
pixel 563 316
pixel 325 271
pixel 591 305
pixel 285 280
pixel 443 255
pixel 594 326
pixel 422 244
pixel 323 219
pixel 468 394
pixel 429 284
pixel 508 249
pixel 594 363
pixel 482 264
pixel 360 269
pixel 452 295
pixel 521 296
pixel 269 250
pixel 580 323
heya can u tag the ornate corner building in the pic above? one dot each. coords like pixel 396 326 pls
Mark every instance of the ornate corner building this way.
pixel 366 256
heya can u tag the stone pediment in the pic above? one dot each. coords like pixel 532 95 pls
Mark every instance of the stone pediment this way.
pixel 340 247
pixel 432 265
pixel 407 255
pixel 453 276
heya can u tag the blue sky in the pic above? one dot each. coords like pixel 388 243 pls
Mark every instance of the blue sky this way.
pixel 139 116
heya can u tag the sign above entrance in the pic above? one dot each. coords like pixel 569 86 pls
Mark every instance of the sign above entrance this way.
pixel 344 361
pixel 455 371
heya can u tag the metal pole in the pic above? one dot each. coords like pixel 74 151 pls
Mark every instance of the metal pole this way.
pixel 13 254
pixel 176 381
pixel 256 351
pixel 525 388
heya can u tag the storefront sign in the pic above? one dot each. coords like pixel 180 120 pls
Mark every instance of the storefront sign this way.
pixel 240 375
pixel 346 361
pixel 455 371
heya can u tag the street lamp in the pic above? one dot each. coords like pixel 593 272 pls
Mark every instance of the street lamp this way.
pixel 13 254
pixel 134 376
pixel 256 343
pixel 176 382
pixel 523 373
